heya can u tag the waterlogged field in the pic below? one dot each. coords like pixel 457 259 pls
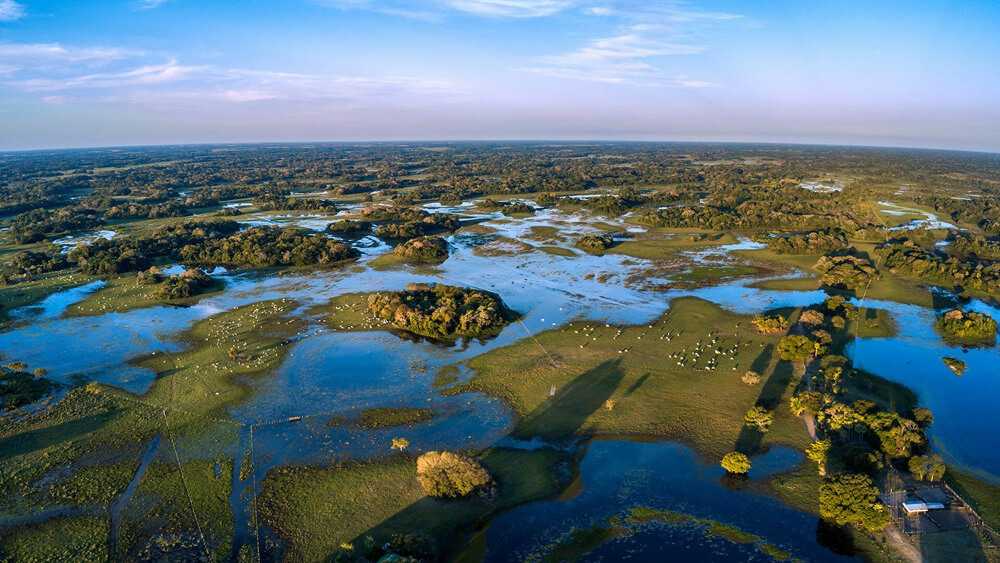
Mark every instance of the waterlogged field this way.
pixel 274 417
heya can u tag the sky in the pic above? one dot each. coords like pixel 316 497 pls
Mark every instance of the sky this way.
pixel 909 73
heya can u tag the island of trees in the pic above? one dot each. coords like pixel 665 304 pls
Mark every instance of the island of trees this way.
pixel 442 311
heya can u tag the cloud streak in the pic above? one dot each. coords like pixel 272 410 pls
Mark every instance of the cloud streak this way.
pixel 63 75
pixel 643 35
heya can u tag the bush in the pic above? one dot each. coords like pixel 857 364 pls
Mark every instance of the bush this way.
pixel 735 462
pixel 446 474
pixel 518 208
pixel 768 324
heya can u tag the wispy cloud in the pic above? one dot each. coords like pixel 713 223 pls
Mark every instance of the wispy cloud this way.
pixel 149 4
pixel 511 8
pixel 642 35
pixel 63 75
pixel 439 9
pixel 11 10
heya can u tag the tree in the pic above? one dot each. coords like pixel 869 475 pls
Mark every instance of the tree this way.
pixel 923 416
pixel 400 444
pixel 735 462
pixel 795 348
pixel 819 451
pixel 759 417
pixel 446 474
pixel 928 467
pixel 852 499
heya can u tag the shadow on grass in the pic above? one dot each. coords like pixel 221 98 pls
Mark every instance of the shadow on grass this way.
pixel 749 440
pixel 557 419
pixel 563 414
pixel 26 442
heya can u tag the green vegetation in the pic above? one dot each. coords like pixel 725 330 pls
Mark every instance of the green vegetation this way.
pixel 851 498
pixel 968 328
pixel 587 364
pixel 318 510
pixel 595 243
pixel 927 467
pixel 956 365
pixel 383 417
pixel 442 311
pixel 446 474
pixel 851 273
pixel 806 243
pixel 423 249
pixel 736 463
pixel 770 323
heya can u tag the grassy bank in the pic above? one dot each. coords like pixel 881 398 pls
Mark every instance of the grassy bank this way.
pixel 319 511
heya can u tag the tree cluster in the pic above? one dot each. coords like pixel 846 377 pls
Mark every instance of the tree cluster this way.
pixel 442 311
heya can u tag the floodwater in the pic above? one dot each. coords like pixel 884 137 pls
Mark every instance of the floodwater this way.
pixel 329 377
pixel 618 476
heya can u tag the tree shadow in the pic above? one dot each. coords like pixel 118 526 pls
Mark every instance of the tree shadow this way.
pixel 749 440
pixel 558 419
pixel 32 440
pixel 635 386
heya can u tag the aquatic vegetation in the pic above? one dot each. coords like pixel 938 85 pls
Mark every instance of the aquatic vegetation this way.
pixel 18 388
pixel 382 417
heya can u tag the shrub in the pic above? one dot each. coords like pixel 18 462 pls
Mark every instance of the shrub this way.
pixel 446 474
pixel 772 323
pixel 735 462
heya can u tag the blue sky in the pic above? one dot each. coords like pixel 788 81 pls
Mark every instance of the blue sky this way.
pixel 123 72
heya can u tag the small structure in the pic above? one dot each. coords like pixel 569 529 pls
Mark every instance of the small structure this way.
pixel 916 507
pixel 925 508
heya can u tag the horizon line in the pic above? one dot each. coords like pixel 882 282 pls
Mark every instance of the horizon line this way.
pixel 10 152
